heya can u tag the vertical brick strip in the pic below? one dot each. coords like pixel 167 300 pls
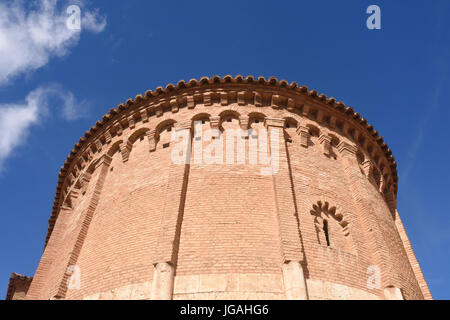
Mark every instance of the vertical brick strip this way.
pixel 151 139
pixel 49 255
pixel 412 258
pixel 104 163
pixel 364 213
pixel 169 237
pixel 289 227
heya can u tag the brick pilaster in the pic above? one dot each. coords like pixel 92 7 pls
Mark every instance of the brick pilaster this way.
pixel 40 277
pixel 325 141
pixel 125 149
pixel 412 258
pixel 103 164
pixel 364 215
pixel 291 245
pixel 168 240
pixel 151 135
pixel 304 135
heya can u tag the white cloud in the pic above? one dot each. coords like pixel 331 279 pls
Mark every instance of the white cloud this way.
pixel 14 123
pixel 32 32
pixel 92 21
pixel 16 119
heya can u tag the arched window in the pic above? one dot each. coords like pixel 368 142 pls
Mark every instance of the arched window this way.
pixel 332 229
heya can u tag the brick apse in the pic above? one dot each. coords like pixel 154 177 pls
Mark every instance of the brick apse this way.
pixel 131 223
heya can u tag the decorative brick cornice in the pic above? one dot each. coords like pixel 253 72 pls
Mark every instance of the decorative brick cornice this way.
pixel 214 122
pixel 84 181
pixel 243 122
pixel 304 135
pixel 346 148
pixel 183 125
pixel 367 167
pixel 151 135
pixel 125 149
pixel 274 122
pixel 325 141
pixel 208 91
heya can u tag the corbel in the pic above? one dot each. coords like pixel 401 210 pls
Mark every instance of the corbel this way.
pixel 325 141
pixel 303 132
pixel 151 135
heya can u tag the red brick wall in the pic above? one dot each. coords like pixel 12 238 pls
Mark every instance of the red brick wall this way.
pixel 122 236
pixel 139 209
pixel 229 219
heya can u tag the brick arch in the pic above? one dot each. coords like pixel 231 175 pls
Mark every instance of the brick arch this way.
pixel 91 168
pixel 201 116
pixel 291 121
pixel 160 126
pixel 229 113
pixel 114 147
pixel 127 146
pixel 136 134
pixel 247 91
pixel 255 123
pixel 226 115
pixel 160 135
pixel 322 210
pixel 334 210
pixel 257 115
pixel 297 178
pixel 84 178
pixel 253 117
pixel 290 128
pixel 314 130
pixel 360 157
pixel 335 140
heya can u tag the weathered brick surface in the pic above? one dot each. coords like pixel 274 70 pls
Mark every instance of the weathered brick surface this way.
pixel 139 221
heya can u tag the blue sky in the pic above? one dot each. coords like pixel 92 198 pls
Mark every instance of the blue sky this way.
pixel 54 85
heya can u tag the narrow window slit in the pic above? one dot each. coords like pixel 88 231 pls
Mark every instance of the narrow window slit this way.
pixel 326 232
